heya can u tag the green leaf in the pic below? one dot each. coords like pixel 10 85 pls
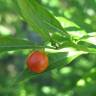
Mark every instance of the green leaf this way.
pixel 87 47
pixel 56 60
pixel 39 18
pixel 11 43
pixel 67 23
pixel 89 42
pixel 61 59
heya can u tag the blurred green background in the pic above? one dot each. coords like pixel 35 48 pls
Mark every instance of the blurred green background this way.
pixel 76 79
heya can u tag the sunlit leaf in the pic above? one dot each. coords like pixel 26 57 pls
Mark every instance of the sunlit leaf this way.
pixel 56 60
pixel 39 18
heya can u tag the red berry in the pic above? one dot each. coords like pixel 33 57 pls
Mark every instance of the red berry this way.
pixel 37 62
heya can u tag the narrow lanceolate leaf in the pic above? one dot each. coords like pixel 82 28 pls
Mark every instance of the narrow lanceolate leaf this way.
pixel 11 43
pixel 39 18
pixel 56 60
pixel 61 59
